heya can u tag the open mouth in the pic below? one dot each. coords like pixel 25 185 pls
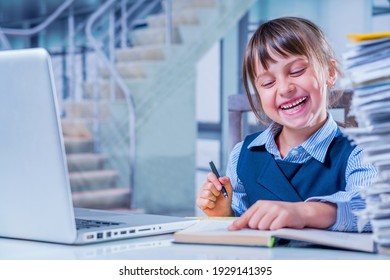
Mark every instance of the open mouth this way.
pixel 292 107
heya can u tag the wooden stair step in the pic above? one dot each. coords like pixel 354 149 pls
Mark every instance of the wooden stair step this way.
pixel 154 52
pixel 103 90
pixel 127 69
pixel 76 145
pixel 86 109
pixel 153 36
pixel 179 17
pixel 117 198
pixel 92 180
pixel 180 5
pixel 76 127
pixel 85 162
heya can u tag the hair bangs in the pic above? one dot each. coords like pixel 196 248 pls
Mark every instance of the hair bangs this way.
pixel 279 40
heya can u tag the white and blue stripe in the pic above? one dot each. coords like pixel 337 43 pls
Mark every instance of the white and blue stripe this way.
pixel 357 175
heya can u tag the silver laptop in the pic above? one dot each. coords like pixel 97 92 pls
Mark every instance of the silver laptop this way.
pixel 35 194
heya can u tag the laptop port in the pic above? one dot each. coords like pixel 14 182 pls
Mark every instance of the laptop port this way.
pixel 108 234
pixel 132 231
pixel 123 232
pixel 99 235
pixel 89 236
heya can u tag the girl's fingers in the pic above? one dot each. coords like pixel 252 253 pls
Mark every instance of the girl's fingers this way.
pixel 214 180
pixel 204 204
pixel 206 194
pixel 241 222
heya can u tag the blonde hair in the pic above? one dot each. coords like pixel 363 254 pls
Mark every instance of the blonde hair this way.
pixel 286 36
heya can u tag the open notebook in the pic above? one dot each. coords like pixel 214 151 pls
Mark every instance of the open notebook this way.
pixel 35 194
pixel 213 231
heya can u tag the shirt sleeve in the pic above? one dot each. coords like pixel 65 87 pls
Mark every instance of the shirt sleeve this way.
pixel 239 199
pixel 358 175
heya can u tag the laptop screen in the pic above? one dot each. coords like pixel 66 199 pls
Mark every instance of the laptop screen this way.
pixel 35 187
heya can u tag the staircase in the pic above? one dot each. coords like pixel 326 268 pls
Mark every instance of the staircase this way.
pixel 93 185
pixel 161 78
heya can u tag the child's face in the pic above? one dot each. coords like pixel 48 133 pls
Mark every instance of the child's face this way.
pixel 290 93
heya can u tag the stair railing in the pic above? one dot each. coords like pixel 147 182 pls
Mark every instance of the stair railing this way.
pixel 41 27
pixel 36 29
pixel 97 46
pixel 168 22
pixel 108 59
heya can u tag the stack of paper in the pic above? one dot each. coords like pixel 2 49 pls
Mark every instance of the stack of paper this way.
pixel 368 66
pixel 368 61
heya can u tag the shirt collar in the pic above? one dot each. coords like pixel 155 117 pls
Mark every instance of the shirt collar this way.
pixel 316 146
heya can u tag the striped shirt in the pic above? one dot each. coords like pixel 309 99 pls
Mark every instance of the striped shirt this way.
pixel 357 174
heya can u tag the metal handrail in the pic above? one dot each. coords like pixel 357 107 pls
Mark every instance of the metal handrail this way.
pixel 125 14
pixel 31 31
pixel 41 26
pixel 4 41
pixel 129 98
pixel 168 22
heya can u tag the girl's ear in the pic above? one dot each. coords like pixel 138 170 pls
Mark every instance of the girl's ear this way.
pixel 332 75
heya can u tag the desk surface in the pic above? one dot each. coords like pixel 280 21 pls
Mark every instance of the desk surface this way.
pixel 161 247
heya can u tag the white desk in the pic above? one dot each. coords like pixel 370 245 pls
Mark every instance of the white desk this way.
pixel 161 247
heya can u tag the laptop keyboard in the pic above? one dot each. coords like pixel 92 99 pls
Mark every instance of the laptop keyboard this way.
pixel 87 224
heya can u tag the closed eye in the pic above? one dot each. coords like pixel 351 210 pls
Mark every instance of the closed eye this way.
pixel 267 84
pixel 297 72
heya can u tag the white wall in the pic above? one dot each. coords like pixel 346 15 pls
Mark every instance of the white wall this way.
pixel 208 86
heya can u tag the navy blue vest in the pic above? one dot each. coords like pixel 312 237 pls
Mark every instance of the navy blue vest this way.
pixel 264 178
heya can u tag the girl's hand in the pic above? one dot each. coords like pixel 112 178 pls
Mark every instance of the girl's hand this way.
pixel 210 198
pixel 273 215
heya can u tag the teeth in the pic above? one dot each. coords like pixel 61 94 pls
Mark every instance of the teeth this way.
pixel 294 104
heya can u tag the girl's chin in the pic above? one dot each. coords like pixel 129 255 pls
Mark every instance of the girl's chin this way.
pixel 302 122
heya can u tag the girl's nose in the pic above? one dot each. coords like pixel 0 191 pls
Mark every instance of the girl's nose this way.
pixel 286 88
